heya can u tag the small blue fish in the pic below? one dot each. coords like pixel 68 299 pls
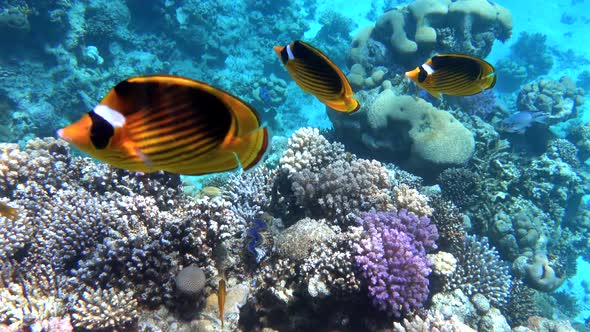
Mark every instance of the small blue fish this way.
pixel 520 121
pixel 264 95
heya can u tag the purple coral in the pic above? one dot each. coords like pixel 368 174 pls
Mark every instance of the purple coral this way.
pixel 392 259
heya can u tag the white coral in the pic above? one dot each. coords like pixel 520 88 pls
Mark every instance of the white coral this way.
pixel 411 200
pixel 443 263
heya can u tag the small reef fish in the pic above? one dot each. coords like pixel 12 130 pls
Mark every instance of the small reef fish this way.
pixel 221 298
pixel 454 75
pixel 520 121
pixel 170 123
pixel 316 74
pixel 8 212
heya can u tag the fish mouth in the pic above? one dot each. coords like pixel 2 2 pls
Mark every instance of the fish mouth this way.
pixel 60 134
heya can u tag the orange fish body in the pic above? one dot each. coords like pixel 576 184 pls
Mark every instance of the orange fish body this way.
pixel 454 75
pixel 170 123
pixel 8 212
pixel 316 74
pixel 221 299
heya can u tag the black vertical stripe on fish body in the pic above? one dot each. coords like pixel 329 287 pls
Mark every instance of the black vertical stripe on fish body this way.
pixel 101 131
pixel 316 65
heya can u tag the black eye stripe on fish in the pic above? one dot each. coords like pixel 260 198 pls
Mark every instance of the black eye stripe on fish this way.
pixel 422 75
pixel 101 131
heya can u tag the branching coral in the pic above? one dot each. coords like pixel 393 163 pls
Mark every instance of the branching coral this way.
pixel 104 309
pixel 308 150
pixel 367 184
pixel 449 222
pixel 321 179
pixel 392 258
pixel 480 270
pixel 460 186
pixel 85 225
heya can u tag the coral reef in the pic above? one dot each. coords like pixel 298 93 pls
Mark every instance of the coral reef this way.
pixel 393 260
pixel 408 131
pixel 529 58
pixel 124 246
pixel 480 271
pixel 405 36
pixel 314 171
pixel 558 100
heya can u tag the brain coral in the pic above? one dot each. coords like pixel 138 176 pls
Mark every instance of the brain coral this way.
pixel 405 130
pixel 413 32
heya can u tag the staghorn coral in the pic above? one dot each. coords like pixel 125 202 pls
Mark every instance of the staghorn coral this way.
pixel 392 259
pixel 480 270
pixel 104 309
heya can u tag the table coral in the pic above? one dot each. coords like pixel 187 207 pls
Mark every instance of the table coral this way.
pixel 411 33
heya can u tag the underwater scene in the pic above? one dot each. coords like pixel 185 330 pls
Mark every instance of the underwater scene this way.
pixel 299 165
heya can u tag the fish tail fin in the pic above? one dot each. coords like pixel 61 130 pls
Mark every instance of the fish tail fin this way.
pixel 540 117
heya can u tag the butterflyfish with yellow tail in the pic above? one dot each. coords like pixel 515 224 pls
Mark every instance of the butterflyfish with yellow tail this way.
pixel 316 74
pixel 454 75
pixel 170 123
pixel 8 211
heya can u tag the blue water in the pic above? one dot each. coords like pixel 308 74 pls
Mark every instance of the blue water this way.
pixel 97 248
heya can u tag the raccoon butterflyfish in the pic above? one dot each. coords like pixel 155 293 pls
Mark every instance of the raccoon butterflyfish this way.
pixel 454 75
pixel 170 123
pixel 8 212
pixel 316 74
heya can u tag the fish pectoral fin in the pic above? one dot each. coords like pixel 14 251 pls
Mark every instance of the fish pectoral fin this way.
pixel 435 94
pixel 134 151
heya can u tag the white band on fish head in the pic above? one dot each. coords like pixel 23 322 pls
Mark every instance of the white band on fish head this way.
pixel 428 69
pixel 290 53
pixel 110 115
